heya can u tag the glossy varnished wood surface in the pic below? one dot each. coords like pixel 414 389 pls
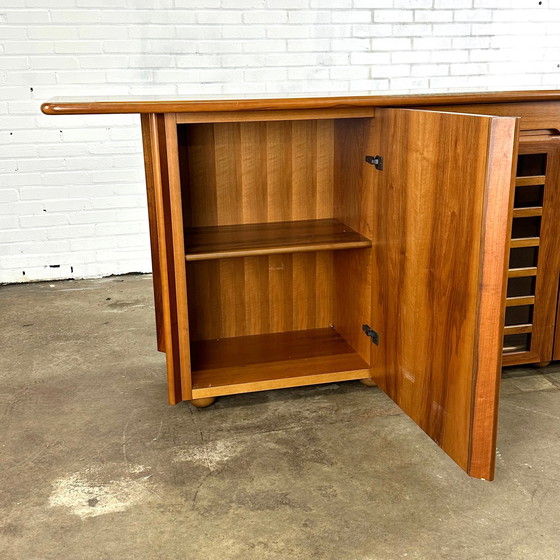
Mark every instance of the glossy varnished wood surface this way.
pixel 267 361
pixel 215 242
pixel 441 229
pixel 69 106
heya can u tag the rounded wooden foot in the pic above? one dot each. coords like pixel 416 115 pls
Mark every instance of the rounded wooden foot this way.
pixel 203 403
pixel 542 364
pixel 369 382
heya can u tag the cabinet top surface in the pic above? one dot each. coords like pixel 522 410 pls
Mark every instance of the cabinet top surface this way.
pixel 264 102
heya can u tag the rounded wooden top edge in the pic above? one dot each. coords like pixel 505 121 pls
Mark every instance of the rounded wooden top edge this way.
pixel 85 107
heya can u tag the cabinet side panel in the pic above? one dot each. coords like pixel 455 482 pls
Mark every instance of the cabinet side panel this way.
pixel 353 206
pixel 151 165
pixel 169 214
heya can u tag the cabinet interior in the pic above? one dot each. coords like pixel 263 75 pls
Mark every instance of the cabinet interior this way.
pixel 277 219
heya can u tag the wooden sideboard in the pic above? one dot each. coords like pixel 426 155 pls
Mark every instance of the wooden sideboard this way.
pixel 408 241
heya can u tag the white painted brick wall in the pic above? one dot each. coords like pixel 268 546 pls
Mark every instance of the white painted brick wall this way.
pixel 72 200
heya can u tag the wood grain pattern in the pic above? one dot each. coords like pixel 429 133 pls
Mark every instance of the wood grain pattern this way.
pixel 259 295
pixel 242 173
pixel 152 172
pixel 154 104
pixel 287 359
pixel 168 213
pixel 439 276
pixel 216 242
pixel 353 205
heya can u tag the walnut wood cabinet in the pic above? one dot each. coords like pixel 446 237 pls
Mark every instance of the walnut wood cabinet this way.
pixel 411 241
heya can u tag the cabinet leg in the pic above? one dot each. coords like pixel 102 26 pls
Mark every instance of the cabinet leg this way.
pixel 542 364
pixel 204 402
pixel 369 382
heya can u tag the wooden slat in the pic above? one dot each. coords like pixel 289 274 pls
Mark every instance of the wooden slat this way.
pixel 520 300
pixel 215 242
pixel 527 212
pixel 525 242
pixel 518 329
pixel 522 272
pixel 518 358
pixel 529 181
pixel 268 361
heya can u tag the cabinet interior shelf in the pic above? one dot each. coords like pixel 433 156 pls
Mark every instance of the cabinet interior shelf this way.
pixel 268 361
pixel 241 240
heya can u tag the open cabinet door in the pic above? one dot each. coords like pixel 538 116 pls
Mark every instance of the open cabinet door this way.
pixel 441 227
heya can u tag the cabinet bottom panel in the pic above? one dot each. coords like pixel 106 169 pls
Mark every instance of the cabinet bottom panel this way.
pixel 271 361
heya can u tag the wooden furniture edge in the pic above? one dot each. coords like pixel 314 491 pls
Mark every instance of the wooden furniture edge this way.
pixel 504 133
pixel 62 106
pixel 281 383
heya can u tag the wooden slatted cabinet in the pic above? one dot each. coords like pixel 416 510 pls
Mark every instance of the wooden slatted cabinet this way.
pixel 534 253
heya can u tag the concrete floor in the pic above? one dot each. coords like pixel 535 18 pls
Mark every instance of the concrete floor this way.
pixel 95 464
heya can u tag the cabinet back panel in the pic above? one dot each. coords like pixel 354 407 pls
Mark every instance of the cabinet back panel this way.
pixel 250 172
pixel 258 295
